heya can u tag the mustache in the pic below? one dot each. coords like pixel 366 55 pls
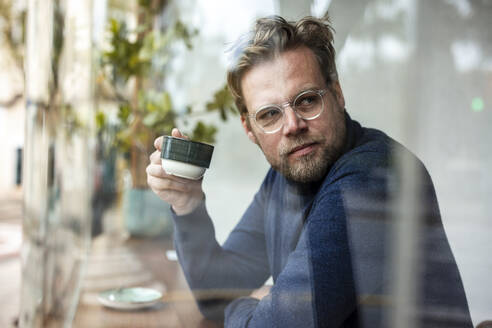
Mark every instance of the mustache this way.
pixel 296 142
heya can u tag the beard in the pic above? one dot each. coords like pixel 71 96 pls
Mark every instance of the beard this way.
pixel 314 166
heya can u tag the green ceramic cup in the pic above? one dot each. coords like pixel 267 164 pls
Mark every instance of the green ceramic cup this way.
pixel 185 158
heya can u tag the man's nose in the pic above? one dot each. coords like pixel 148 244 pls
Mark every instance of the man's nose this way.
pixel 293 124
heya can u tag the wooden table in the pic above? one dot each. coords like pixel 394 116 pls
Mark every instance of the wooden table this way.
pixel 113 263
pixel 136 262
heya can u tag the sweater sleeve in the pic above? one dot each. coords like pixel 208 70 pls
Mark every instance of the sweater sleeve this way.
pixel 218 274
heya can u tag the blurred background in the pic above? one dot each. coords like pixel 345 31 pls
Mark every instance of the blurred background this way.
pixel 421 71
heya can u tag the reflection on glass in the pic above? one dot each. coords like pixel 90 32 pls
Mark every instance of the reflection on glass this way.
pixel 421 77
pixel 58 161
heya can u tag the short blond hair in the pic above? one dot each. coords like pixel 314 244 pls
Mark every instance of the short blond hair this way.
pixel 273 35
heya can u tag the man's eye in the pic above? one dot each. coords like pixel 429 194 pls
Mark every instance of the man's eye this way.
pixel 307 100
pixel 268 114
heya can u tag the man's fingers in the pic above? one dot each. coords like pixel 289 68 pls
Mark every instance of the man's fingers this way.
pixel 157 183
pixel 155 157
pixel 157 171
pixel 158 143
pixel 177 134
pixel 261 292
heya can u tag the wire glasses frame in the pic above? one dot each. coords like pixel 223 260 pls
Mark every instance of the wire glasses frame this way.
pixel 307 105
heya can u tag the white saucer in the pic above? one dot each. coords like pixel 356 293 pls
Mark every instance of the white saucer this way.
pixel 129 298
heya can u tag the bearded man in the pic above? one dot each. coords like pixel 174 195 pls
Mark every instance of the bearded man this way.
pixel 320 220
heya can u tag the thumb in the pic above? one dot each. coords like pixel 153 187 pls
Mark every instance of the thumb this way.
pixel 177 134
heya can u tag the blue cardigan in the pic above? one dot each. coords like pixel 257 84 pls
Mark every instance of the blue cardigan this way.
pixel 327 246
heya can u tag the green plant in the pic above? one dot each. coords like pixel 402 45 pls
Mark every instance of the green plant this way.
pixel 134 68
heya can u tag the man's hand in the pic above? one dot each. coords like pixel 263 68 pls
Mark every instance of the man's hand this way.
pixel 261 292
pixel 184 195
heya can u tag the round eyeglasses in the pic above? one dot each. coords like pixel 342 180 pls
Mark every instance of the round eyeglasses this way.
pixel 307 105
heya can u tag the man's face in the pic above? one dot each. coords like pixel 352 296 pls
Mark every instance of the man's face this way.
pixel 302 150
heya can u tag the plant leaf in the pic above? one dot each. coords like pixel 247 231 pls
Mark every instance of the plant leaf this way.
pixel 204 132
pixel 223 102
pixel 100 120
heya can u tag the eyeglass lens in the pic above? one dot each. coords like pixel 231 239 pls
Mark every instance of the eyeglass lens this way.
pixel 307 105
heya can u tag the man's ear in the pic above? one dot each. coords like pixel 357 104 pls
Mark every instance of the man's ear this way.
pixel 338 93
pixel 247 129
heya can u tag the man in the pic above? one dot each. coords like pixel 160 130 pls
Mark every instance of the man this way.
pixel 319 222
